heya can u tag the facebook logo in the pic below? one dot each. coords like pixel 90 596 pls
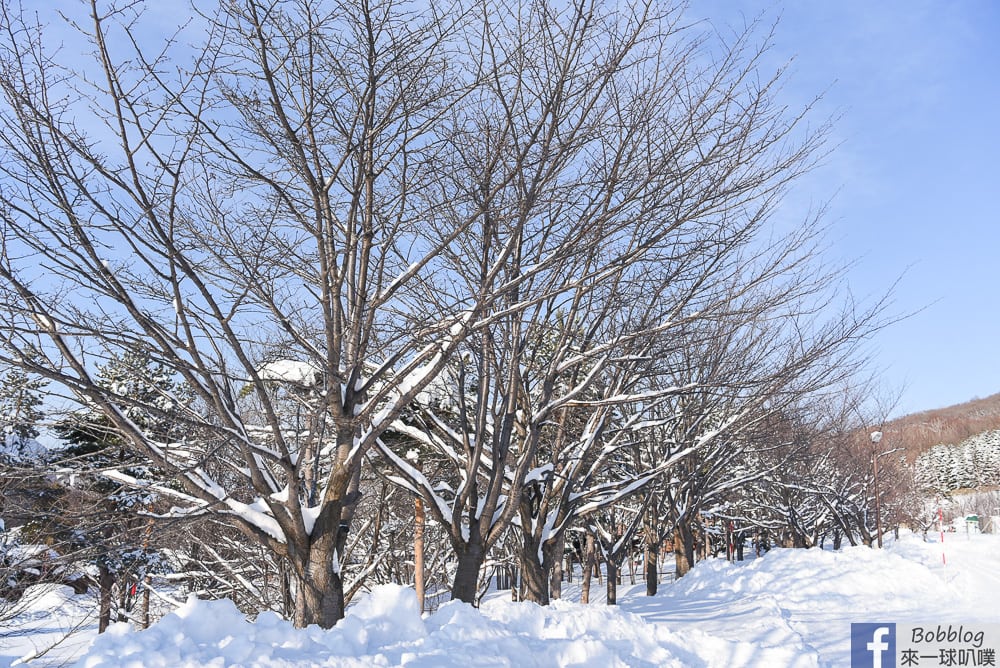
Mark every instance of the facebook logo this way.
pixel 873 646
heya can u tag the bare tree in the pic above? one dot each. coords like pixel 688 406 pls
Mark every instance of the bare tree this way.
pixel 289 187
pixel 662 169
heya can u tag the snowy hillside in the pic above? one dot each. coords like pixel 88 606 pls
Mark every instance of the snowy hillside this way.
pixel 973 463
pixel 788 608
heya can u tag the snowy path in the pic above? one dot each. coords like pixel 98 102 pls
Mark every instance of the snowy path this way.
pixel 802 602
pixel 810 598
pixel 972 571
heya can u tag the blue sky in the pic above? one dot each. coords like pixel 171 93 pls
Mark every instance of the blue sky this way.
pixel 916 174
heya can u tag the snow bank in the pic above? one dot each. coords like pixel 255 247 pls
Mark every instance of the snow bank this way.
pixel 215 633
pixel 386 629
pixel 788 608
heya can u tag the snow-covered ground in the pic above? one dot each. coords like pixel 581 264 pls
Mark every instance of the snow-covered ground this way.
pixel 788 608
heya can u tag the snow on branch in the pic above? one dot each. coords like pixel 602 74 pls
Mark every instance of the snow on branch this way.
pixel 416 482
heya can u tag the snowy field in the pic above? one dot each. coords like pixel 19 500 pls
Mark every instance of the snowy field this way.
pixel 788 608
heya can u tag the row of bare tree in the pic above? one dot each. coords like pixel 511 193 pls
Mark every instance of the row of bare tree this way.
pixel 536 243
pixel 71 525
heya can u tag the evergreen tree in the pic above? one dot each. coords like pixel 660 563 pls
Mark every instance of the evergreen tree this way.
pixel 20 414
pixel 122 539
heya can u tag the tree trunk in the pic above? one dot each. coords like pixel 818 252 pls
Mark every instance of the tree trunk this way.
pixel 651 564
pixel 319 592
pixel 683 549
pixel 466 585
pixel 612 581
pixel 558 554
pixel 105 582
pixel 861 524
pixel 842 526
pixel 867 538
pixel 319 586
pixel 145 603
pixel 317 558
pixel 588 569
pixel 124 597
pixel 147 579
pixel 287 602
pixel 534 577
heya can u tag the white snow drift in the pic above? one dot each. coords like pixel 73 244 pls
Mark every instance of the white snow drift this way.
pixel 788 608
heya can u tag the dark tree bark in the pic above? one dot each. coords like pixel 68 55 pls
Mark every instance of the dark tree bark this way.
pixel 105 585
pixel 534 579
pixel 466 584
pixel 589 565
pixel 558 555
pixel 612 585
pixel 683 548
pixel 651 566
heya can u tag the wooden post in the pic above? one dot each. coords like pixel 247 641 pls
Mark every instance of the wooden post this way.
pixel 418 536
pixel 147 580
pixel 418 550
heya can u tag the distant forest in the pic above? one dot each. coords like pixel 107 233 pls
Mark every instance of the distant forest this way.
pixel 919 432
